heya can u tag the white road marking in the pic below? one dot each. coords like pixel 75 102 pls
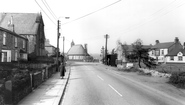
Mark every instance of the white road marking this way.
pixel 115 90
pixel 100 77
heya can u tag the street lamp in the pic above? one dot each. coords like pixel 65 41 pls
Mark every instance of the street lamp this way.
pixel 58 36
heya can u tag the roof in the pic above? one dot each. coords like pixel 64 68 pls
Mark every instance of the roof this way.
pixel 77 50
pixel 13 33
pixel 163 45
pixel 24 23
pixel 48 45
pixel 130 47
pixel 176 49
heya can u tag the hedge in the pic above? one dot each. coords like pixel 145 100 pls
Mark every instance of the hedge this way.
pixel 178 79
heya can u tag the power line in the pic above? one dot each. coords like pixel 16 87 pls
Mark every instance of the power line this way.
pixel 157 15
pixel 92 12
pixel 45 13
pixel 49 9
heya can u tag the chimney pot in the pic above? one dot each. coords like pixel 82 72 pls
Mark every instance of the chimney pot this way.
pixel 157 41
pixel 176 39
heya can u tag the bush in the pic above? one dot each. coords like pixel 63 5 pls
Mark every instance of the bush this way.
pixel 143 73
pixel 178 79
pixel 132 69
pixel 21 79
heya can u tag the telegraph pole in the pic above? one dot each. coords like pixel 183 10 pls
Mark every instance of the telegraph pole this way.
pixel 106 37
pixel 63 52
pixel 58 36
pixel 102 54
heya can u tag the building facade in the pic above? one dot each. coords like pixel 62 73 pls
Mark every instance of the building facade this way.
pixel 176 55
pixel 78 52
pixel 160 50
pixel 29 25
pixel 12 46
pixel 50 48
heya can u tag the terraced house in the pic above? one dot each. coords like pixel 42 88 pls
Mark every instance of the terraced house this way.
pixel 12 46
pixel 29 25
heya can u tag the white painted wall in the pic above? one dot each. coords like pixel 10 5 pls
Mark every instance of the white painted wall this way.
pixel 175 59
pixel 161 57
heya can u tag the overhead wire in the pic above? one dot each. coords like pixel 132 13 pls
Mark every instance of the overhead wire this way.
pixel 45 13
pixel 162 12
pixel 49 9
pixel 92 12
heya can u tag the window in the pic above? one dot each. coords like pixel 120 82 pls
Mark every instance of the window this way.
pixel 153 52
pixel 4 57
pixel 157 53
pixel 15 42
pixel 162 52
pixel 172 58
pixel 16 55
pixel 4 39
pixel 24 44
pixel 180 58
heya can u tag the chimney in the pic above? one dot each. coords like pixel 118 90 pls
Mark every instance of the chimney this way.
pixel 157 41
pixel 72 43
pixel 184 45
pixel 176 40
pixel 85 47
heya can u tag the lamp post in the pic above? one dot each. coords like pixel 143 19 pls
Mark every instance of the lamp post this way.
pixel 58 36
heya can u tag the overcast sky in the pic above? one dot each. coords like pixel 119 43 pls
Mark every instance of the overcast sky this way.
pixel 90 20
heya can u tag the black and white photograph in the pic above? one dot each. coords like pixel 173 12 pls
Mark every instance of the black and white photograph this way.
pixel 92 52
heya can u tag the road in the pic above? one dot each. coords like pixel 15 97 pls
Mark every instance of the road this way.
pixel 92 84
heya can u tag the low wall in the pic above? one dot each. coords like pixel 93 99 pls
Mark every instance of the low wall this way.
pixel 21 83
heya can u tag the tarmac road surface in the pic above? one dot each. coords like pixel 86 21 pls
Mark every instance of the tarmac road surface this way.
pixel 91 84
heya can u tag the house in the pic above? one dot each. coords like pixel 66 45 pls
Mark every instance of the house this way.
pixel 12 46
pixel 121 51
pixel 78 52
pixel 176 55
pixel 160 50
pixel 50 48
pixel 29 25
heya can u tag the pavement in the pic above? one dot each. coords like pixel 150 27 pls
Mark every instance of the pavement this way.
pixel 49 92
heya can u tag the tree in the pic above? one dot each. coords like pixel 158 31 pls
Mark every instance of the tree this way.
pixel 125 49
pixel 140 54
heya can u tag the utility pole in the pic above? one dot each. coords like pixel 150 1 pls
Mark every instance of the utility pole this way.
pixel 106 37
pixel 58 36
pixel 63 52
pixel 102 54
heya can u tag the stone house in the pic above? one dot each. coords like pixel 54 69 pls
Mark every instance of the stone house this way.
pixel 12 46
pixel 29 25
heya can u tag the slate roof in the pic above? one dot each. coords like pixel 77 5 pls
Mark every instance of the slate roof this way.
pixel 176 49
pixel 24 23
pixel 163 45
pixel 13 33
pixel 77 50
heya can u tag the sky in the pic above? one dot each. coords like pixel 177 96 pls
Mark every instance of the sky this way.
pixel 91 20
